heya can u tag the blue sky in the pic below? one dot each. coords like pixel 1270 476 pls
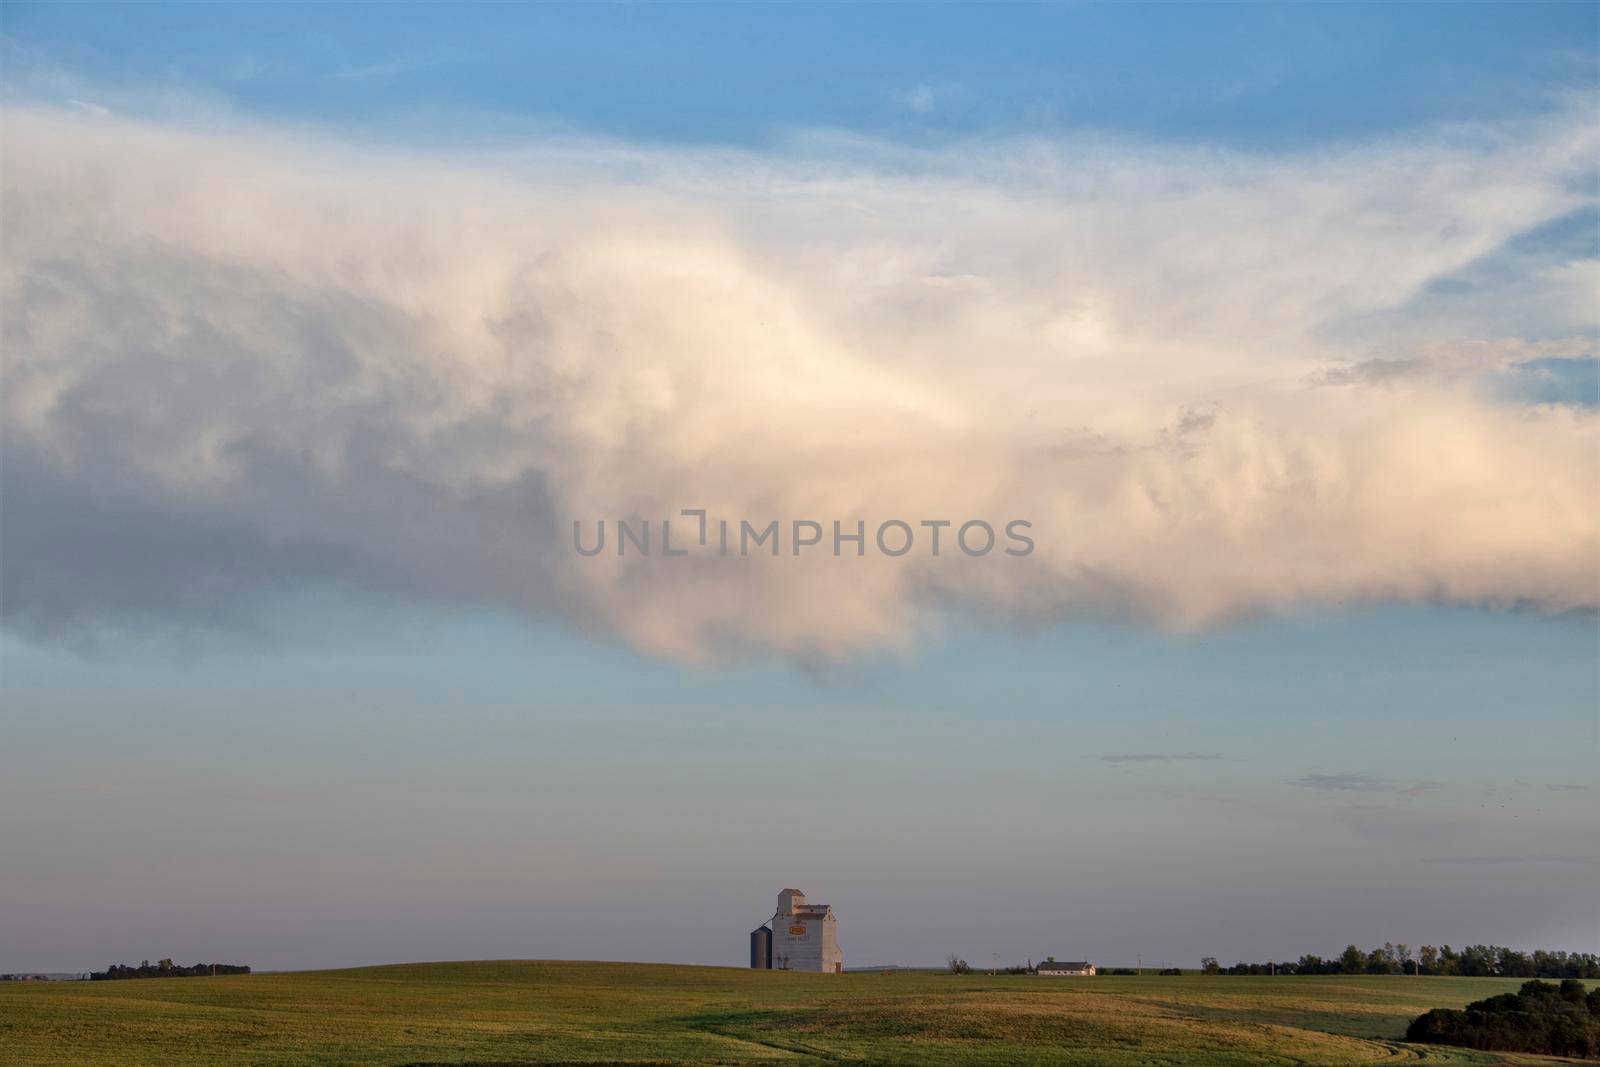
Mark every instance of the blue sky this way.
pixel 1239 73
pixel 324 801
pixel 358 704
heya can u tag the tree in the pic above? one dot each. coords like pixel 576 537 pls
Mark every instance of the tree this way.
pixel 958 965
pixel 1476 961
pixel 1513 964
pixel 1540 1017
pixel 1429 959
pixel 1209 965
pixel 1353 961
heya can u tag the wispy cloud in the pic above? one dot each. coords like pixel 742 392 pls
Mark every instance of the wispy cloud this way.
pixel 398 66
pixel 1343 783
pixel 1560 371
pixel 926 98
pixel 1492 861
pixel 1363 783
pixel 918 98
pixel 1159 757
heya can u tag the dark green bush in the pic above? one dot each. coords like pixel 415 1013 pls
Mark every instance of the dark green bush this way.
pixel 1541 1017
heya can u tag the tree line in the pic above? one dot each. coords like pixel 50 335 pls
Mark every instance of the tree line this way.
pixel 166 969
pixel 1474 961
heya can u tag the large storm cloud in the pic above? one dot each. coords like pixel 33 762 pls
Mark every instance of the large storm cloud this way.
pixel 242 362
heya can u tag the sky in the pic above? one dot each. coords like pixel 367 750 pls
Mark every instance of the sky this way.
pixel 324 326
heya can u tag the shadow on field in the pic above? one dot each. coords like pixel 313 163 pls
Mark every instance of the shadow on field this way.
pixel 1377 1026
pixel 894 1028
pixel 771 1028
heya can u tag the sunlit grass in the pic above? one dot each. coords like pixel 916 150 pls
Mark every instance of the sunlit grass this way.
pixel 541 1012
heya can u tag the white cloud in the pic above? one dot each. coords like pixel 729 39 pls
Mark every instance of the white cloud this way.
pixel 89 107
pixel 402 65
pixel 241 360
pixel 918 98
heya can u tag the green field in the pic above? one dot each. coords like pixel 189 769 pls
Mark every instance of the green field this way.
pixel 547 1012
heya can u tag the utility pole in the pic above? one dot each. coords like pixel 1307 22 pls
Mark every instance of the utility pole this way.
pixel 1140 962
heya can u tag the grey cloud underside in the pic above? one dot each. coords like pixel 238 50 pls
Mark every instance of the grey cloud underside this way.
pixel 83 561
pixel 112 547
pixel 241 364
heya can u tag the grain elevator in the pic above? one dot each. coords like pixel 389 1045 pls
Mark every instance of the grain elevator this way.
pixel 798 937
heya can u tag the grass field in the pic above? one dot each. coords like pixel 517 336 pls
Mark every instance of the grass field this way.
pixel 546 1012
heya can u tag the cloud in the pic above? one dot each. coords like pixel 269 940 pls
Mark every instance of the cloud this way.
pixel 402 65
pixel 1556 380
pixel 1159 757
pixel 919 98
pixel 90 107
pixel 1494 861
pixel 1362 783
pixel 1556 372
pixel 243 361
pixel 1343 783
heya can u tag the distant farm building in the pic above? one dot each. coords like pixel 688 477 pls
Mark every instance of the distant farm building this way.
pixel 1053 967
pixel 800 937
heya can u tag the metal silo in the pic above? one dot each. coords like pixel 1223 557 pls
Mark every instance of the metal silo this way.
pixel 761 948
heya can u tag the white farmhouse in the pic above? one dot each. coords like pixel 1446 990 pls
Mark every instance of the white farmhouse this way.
pixel 1053 967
